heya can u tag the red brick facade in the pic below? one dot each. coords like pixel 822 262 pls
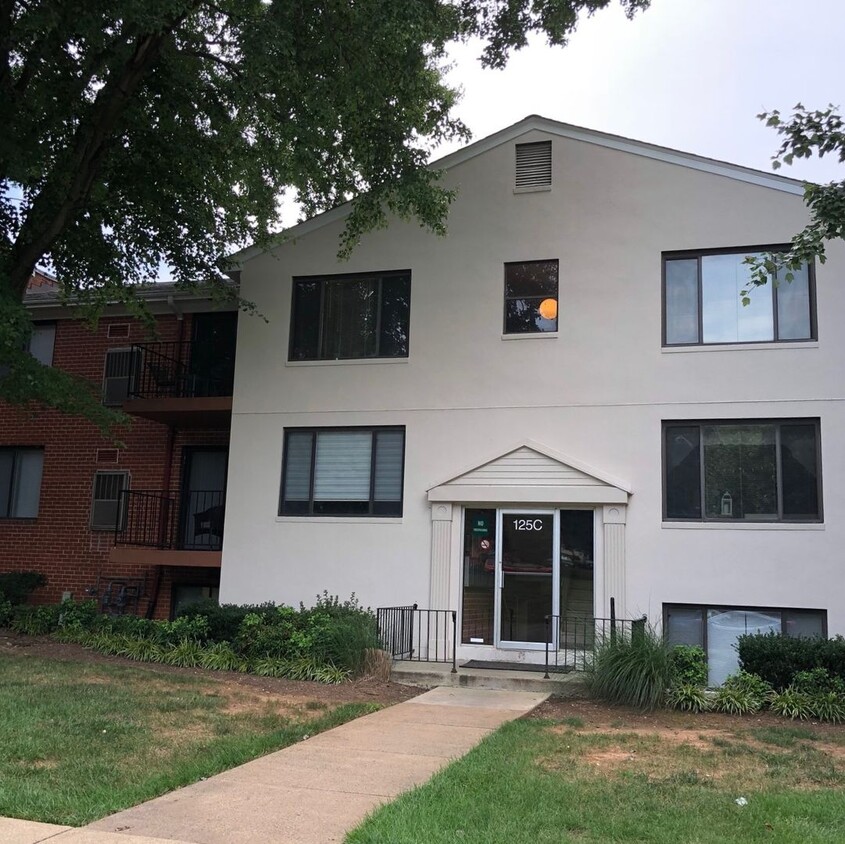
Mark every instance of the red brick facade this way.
pixel 60 542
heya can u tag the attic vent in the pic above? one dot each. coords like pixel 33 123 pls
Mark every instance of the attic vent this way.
pixel 107 455
pixel 534 166
pixel 119 330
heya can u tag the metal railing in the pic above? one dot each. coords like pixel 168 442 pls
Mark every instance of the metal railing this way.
pixel 571 642
pixel 152 519
pixel 419 635
pixel 180 370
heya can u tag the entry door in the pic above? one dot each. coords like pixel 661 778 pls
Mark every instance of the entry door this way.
pixel 203 498
pixel 527 577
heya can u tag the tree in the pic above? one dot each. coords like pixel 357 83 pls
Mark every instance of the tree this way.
pixel 147 131
pixel 806 133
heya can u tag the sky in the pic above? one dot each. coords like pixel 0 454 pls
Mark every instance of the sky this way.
pixel 687 74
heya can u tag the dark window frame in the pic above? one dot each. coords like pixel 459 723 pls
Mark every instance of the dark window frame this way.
pixel 703 608
pixel 45 323
pixel 121 499
pixel 373 429
pixel 506 298
pixel 322 280
pixel 132 376
pixel 698 254
pixel 778 423
pixel 15 449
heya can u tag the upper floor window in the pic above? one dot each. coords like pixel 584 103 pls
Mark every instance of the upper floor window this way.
pixel 20 482
pixel 753 471
pixel 106 510
pixel 343 472
pixel 346 317
pixel 531 297
pixel 121 375
pixel 703 301
pixel 41 342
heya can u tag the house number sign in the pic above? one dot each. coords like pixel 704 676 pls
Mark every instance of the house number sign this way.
pixel 528 524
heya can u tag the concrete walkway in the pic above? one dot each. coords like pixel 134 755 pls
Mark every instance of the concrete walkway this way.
pixel 313 792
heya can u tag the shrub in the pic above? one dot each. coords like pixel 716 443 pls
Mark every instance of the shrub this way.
pixel 224 620
pixel 5 611
pixel 818 681
pixel 778 658
pixel 634 671
pixel 791 703
pixel 828 706
pixel 220 657
pixel 735 701
pixel 35 621
pixel 750 684
pixel 17 586
pixel 688 698
pixel 689 665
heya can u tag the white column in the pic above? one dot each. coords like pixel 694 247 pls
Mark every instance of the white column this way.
pixel 614 516
pixel 441 553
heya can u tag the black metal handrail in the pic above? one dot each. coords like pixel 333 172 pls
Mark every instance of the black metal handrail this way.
pixel 419 635
pixel 180 370
pixel 151 519
pixel 571 641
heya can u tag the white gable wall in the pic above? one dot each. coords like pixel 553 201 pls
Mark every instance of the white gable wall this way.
pixel 598 391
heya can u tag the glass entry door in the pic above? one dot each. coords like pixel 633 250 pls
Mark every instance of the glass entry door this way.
pixel 527 577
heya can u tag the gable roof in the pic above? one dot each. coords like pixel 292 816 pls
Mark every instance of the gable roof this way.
pixel 532 474
pixel 534 122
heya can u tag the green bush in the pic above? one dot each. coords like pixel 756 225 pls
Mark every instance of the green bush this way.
pixel 35 621
pixel 735 701
pixel 5 611
pixel 818 681
pixel 689 665
pixel 688 698
pixel 224 620
pixel 17 586
pixel 792 704
pixel 750 684
pixel 635 671
pixel 828 706
pixel 777 659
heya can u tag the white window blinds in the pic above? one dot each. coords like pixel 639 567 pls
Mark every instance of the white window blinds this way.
pixel 342 466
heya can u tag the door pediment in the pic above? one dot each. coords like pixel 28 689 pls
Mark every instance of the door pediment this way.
pixel 531 474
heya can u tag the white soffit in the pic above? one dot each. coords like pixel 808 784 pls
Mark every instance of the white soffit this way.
pixel 531 474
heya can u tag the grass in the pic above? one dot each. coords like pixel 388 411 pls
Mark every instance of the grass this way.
pixel 543 782
pixel 80 741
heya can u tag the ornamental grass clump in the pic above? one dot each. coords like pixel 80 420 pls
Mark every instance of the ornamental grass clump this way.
pixel 688 698
pixel 635 670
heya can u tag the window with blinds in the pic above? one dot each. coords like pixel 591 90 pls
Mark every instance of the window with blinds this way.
pixel 121 375
pixel 20 482
pixel 106 511
pixel 533 166
pixel 343 472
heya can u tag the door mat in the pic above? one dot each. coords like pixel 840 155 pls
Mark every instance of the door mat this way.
pixel 516 666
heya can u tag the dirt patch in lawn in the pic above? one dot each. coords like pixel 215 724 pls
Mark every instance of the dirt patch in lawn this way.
pixel 245 693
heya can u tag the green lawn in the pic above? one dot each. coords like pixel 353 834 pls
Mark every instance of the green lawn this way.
pixel 79 741
pixel 537 781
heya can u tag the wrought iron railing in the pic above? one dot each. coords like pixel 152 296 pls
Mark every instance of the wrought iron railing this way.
pixel 571 641
pixel 181 370
pixel 152 519
pixel 419 635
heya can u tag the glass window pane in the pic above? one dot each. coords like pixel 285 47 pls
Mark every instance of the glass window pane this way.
pixel 725 319
pixel 531 297
pixel 531 278
pixel 342 466
pixel 683 472
pixel 685 626
pixel 799 470
pixel 724 627
pixel 479 576
pixel 41 343
pixel 26 487
pixel 682 301
pixel 7 466
pixel 297 481
pixel 306 320
pixel 740 473
pixel 390 446
pixel 803 623
pixel 526 315
pixel 576 564
pixel 395 316
pixel 793 298
pixel 350 315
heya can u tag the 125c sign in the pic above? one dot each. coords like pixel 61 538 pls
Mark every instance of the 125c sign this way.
pixel 528 524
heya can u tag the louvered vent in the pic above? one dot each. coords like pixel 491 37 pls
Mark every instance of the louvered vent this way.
pixel 119 329
pixel 534 165
pixel 108 455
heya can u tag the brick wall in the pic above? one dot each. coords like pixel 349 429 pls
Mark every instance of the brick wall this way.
pixel 60 542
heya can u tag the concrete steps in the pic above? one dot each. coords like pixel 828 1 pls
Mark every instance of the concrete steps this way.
pixel 430 675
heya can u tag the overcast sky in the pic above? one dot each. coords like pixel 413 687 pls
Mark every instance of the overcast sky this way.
pixel 688 74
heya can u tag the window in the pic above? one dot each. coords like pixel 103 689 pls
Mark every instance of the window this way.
pixel 20 482
pixel 343 472
pixel 351 316
pixel 121 375
pixel 107 505
pixel 703 303
pixel 716 630
pixel 41 342
pixel 762 471
pixel 531 297
pixel 533 166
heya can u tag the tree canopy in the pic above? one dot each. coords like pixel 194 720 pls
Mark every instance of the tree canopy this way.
pixel 143 132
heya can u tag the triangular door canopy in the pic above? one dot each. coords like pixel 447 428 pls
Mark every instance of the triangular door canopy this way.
pixel 531 474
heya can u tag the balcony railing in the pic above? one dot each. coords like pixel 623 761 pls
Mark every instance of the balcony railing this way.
pixel 180 370
pixel 152 519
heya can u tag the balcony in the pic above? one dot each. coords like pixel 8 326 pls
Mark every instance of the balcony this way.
pixel 182 384
pixel 159 529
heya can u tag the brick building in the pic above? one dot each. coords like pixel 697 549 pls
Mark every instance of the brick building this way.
pixel 138 527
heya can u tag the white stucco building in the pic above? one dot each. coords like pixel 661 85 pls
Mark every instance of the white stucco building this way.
pixel 560 402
